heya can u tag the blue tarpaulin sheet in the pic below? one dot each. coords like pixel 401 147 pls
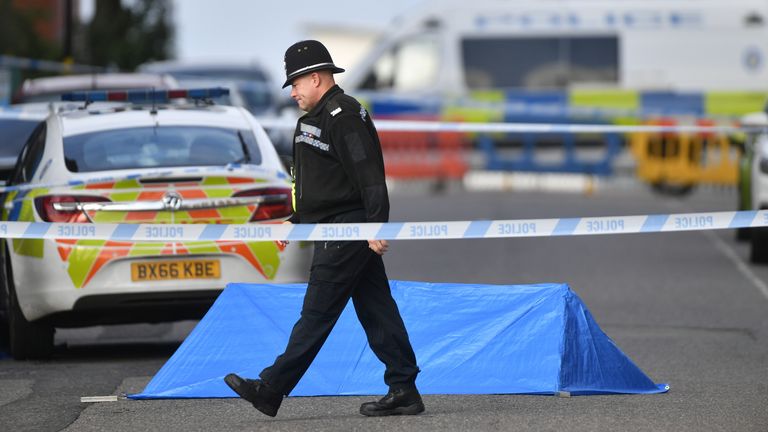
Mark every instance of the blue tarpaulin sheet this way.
pixel 468 339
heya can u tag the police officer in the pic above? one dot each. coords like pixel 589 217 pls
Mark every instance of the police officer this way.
pixel 339 178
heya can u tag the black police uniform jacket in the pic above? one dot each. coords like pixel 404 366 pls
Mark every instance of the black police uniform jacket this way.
pixel 337 162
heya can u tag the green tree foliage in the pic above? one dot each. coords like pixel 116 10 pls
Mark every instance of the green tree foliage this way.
pixel 17 33
pixel 120 36
pixel 124 37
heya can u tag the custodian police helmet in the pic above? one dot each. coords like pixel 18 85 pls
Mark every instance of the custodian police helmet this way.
pixel 305 57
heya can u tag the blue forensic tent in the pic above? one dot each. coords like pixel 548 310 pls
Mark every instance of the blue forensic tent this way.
pixel 468 338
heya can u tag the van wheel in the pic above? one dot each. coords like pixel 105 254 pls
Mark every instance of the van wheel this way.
pixel 26 340
pixel 759 245
pixel 672 189
pixel 743 234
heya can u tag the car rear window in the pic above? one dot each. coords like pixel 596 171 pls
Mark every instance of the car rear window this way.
pixel 166 146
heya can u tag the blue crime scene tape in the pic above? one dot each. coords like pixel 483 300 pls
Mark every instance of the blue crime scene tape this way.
pixel 481 229
pixel 413 126
pixel 437 126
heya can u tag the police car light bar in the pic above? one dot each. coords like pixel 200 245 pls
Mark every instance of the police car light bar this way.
pixel 144 95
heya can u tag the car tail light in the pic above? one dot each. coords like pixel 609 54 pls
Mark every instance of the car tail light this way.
pixel 277 203
pixel 46 207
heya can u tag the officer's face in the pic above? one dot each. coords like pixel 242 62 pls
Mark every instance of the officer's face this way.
pixel 304 91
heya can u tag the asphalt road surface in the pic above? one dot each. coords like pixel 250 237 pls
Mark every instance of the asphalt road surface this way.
pixel 687 308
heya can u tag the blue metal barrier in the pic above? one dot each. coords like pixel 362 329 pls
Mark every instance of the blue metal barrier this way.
pixel 570 163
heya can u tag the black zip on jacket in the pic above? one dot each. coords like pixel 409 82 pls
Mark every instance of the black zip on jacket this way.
pixel 338 165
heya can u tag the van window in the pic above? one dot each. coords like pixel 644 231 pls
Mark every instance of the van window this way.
pixel 540 62
pixel 411 65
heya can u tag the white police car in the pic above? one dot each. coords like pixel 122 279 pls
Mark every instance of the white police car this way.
pixel 757 160
pixel 146 162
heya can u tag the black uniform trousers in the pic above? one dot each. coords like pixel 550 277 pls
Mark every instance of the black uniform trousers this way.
pixel 342 270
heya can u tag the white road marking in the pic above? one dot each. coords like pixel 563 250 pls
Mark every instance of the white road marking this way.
pixel 92 399
pixel 740 265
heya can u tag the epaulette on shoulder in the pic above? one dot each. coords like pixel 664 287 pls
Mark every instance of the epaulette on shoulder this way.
pixel 333 107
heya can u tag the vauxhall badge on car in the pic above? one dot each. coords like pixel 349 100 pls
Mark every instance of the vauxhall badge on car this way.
pixel 172 200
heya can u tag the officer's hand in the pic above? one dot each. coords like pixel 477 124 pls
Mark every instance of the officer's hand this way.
pixel 284 243
pixel 378 246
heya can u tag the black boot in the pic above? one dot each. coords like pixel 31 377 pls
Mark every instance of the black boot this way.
pixel 257 393
pixel 396 402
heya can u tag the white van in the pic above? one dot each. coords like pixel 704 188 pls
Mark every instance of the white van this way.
pixel 652 57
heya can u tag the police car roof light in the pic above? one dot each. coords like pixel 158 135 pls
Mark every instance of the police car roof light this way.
pixel 144 95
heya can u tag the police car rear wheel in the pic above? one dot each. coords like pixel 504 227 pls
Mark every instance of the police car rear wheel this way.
pixel 26 340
